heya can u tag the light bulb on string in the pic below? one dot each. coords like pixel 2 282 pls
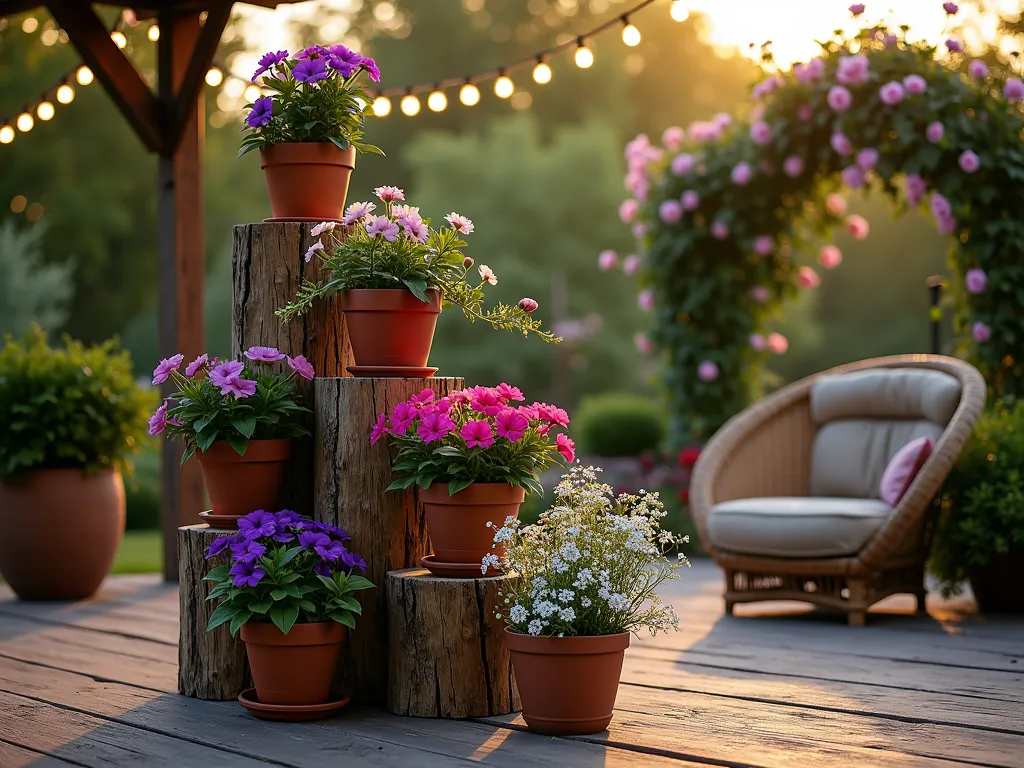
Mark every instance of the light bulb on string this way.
pixel 437 101
pixel 469 95
pixel 503 86
pixel 45 110
pixel 252 92
pixel 119 39
pixel 6 134
pixel 409 105
pixel 25 122
pixel 65 94
pixel 679 11
pixel 153 33
pixel 214 77
pixel 584 56
pixel 382 106
pixel 84 75
pixel 542 72
pixel 630 34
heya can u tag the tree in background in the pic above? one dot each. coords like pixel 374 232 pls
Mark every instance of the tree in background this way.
pixel 31 290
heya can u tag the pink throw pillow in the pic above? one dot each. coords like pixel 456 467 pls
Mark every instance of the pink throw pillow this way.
pixel 903 469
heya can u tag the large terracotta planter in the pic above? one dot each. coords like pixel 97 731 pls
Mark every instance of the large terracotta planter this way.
pixel 390 327
pixel 238 485
pixel 457 524
pixel 59 532
pixel 307 181
pixel 996 585
pixel 567 684
pixel 297 668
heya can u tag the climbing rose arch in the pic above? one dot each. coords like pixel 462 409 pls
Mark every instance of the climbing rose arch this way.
pixel 725 211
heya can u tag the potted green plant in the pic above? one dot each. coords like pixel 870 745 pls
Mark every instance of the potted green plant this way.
pixel 288 586
pixel 309 128
pixel 980 532
pixel 473 454
pixel 394 274
pixel 69 419
pixel 583 578
pixel 241 418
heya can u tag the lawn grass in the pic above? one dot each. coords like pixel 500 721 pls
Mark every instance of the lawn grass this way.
pixel 140 552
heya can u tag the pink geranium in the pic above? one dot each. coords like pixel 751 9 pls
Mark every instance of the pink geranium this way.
pixel 158 421
pixel 761 133
pixel 422 398
pixel 976 281
pixel 934 132
pixel 981 332
pixel 915 84
pixel 719 230
pixel 509 393
pixel 631 264
pixel 670 211
pixel 852 70
pixel 239 387
pixel 221 373
pixel 763 245
pixel 835 204
pixel 969 162
pixel 793 166
pixel 777 343
pixel 682 164
pixel 857 226
pixel 892 93
pixel 566 447
pixel 830 257
pixel 839 98
pixel 402 417
pixel 645 300
pixel 628 210
pixel 807 277
pixel 742 173
pixel 707 371
pixel 607 260
pixel 841 144
pixel 487 401
pixel 690 200
pixel 379 429
pixel 673 137
pixel 477 434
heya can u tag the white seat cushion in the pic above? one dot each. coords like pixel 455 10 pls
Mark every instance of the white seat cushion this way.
pixel 796 526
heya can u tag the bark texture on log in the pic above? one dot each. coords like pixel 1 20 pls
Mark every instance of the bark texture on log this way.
pixel 388 529
pixel 211 665
pixel 267 266
pixel 447 658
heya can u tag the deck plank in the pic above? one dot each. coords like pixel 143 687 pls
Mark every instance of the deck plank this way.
pixel 12 756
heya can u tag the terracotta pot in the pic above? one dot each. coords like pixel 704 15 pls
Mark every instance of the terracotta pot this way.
pixel 59 532
pixel 458 524
pixel 996 585
pixel 567 684
pixel 390 326
pixel 297 668
pixel 307 180
pixel 238 485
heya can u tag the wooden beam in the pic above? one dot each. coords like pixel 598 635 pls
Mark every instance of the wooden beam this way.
pixel 112 68
pixel 188 92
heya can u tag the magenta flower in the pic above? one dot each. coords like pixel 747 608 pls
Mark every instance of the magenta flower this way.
pixel 809 72
pixel 310 70
pixel 260 113
pixel 934 132
pixel 916 187
pixel 670 211
pixel 914 84
pixel 793 166
pixel 317 246
pixel 742 173
pixel 389 194
pixel 552 414
pixel 761 133
pixel 487 400
pixel 477 434
pixel 830 257
pixel 511 424
pixel 381 225
pixel 969 162
pixel 941 207
pixel 268 60
pixel 839 98
pixel 857 9
pixel 356 211
pixel 639 230
pixel 566 447
pixel 947 225
pixel 690 200
pixel 682 164
pixel 607 260
pixel 841 144
pixel 467 263
pixel 416 230
pixel 1014 89
pixel 756 342
pixel 759 293
pixel 978 68
pixel 643 344
pixel 378 430
pixel 312 52
pixel 981 332
pixel 807 277
pixel 528 305
pixel 892 93
pixel 509 393
pixel 853 176
pixel 301 366
pixel 402 417
pixel 719 229
pixel 645 300
pixel 239 387
pixel 158 421
pixel 264 354
pixel 421 398
pixel 950 8
pixel 857 226
pixel 867 158
pixel 166 367
pixel 435 426
pixel 763 245
pixel 852 70
pixel 673 137
pixel 707 371
pixel 628 211
pixel 631 264
pixel 459 223
pixel 976 281
pixel 196 365
pixel 224 371
pixel 777 343
pixel 954 45
pixel 835 204
pixel 343 60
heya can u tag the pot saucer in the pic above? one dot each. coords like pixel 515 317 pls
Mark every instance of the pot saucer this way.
pixel 391 371
pixel 220 522
pixel 290 712
pixel 454 570
pixel 299 219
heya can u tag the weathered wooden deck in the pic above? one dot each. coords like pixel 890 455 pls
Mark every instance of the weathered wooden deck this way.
pixel 93 684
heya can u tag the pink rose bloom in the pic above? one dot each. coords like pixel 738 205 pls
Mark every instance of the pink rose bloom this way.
pixel 511 425
pixel 196 365
pixel 477 434
pixel 830 257
pixel 379 429
pixel 704 131
pixel 915 84
pixel 793 166
pixel 777 343
pixel 841 144
pixel 759 293
pixel 566 447
pixel 916 187
pixel 941 207
pixel 158 421
pixel 645 300
pixel 761 133
pixel 628 211
pixel 976 281
pixel 947 225
pixel 804 113
pixel 690 200
pixel 638 146
pixel 757 342
pixel 166 367
pixel 852 70
pixel 867 158
pixel 763 245
pixel 853 177
pixel 892 93
pixel 742 173
pixel 835 204
pixel 631 264
pixel 682 164
pixel 857 226
pixel 1014 89
pixel 978 68
pixel 857 9
pixel 969 162
pixel 670 211
pixel 807 277
pixel 301 366
pixel 722 119
pixel 719 230
pixel 707 371
pixel 643 344
pixel 954 45
pixel 528 305
pixel 436 426
pixel 809 72
pixel 639 230
pixel 607 260
pixel 636 184
pixel 981 332
pixel 839 98
pixel 264 354
pixel 672 138
pixel 934 132
pixel 950 8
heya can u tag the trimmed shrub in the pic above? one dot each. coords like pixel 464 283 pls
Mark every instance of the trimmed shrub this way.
pixel 619 424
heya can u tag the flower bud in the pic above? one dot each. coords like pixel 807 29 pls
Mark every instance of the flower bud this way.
pixel 527 305
pixel 467 262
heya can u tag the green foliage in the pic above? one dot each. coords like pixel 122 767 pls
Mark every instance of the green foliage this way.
pixel 983 498
pixel 143 492
pixel 31 290
pixel 74 406
pixel 619 424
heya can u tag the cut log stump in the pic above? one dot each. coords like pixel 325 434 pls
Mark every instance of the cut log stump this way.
pixel 447 658
pixel 388 528
pixel 211 665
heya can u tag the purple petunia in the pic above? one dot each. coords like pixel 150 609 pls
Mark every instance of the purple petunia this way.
pixel 246 574
pixel 301 366
pixel 196 365
pixel 342 60
pixel 332 530
pixel 371 68
pixel 352 561
pixel 330 551
pixel 310 70
pixel 158 421
pixel 260 113
pixel 312 53
pixel 247 551
pixel 264 354
pixel 218 545
pixel 224 371
pixel 258 523
pixel 268 60
pixel 166 367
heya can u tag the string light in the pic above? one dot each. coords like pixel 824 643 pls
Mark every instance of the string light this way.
pixel 252 92
pixel 153 33
pixel 382 106
pixel 469 95
pixel 630 34
pixel 214 77
pixel 679 11
pixel 584 56
pixel 437 101
pixel 119 39
pixel 30 25
pixel 6 134
pixel 25 122
pixel 542 73
pixel 503 86
pixel 84 75
pixel 45 110
pixel 65 94
pixel 409 105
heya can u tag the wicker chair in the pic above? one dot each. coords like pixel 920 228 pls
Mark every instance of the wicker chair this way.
pixel 766 452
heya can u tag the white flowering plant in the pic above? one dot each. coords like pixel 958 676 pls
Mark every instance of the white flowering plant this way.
pixel 590 565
